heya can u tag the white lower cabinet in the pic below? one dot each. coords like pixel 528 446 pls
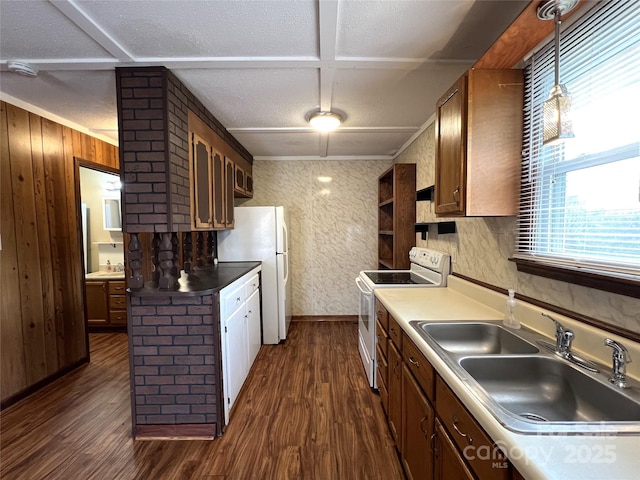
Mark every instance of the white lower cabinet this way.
pixel 253 325
pixel 240 324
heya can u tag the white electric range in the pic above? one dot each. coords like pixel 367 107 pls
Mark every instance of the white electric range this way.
pixel 429 268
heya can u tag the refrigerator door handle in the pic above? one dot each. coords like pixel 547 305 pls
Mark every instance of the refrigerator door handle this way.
pixel 285 238
pixel 286 267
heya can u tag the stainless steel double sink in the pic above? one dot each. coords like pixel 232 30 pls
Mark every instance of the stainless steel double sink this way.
pixel 528 389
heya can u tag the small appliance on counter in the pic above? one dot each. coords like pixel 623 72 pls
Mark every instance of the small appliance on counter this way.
pixel 429 268
pixel 260 234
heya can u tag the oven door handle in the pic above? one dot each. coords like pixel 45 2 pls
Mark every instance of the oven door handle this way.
pixel 359 285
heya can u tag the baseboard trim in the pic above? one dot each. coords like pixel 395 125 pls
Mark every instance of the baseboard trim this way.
pixel 325 318
pixel 16 397
pixel 204 431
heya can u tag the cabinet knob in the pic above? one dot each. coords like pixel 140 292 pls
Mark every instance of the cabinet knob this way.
pixel 456 195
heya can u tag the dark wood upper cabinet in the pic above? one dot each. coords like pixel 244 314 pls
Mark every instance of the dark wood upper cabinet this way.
pixel 478 140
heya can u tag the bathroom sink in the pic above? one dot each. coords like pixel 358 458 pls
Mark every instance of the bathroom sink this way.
pixel 475 338
pixel 544 389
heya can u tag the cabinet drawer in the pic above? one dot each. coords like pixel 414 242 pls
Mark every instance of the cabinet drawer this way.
pixel 383 339
pixel 117 302
pixel 117 288
pixel 118 317
pixel 252 285
pixel 233 299
pixel 465 432
pixel 382 367
pixel 382 315
pixel 419 366
pixel 395 332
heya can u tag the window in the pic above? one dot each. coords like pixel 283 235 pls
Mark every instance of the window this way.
pixel 580 200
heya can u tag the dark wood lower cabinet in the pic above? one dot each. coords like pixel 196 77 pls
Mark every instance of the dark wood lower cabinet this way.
pixel 417 430
pixel 449 465
pixel 395 393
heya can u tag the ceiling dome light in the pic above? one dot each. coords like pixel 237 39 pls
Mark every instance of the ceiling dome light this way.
pixel 325 121
pixel 21 68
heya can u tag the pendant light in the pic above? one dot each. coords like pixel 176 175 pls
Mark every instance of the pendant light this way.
pixel 557 124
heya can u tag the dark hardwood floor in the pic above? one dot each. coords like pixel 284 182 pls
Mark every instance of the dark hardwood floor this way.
pixel 306 412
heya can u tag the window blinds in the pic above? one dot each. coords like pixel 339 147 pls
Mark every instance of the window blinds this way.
pixel 580 200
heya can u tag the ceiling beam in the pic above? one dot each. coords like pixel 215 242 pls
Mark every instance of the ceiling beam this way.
pixel 327 29
pixel 71 10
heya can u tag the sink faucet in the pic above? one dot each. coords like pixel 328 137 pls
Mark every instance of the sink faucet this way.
pixel 620 359
pixel 564 337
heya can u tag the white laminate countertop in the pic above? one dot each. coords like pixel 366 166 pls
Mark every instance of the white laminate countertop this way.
pixel 104 276
pixel 597 457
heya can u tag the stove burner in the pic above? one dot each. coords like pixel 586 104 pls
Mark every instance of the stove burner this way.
pixel 396 278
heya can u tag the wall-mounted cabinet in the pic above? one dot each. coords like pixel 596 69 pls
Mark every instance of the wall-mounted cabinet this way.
pixel 244 182
pixel 396 215
pixel 212 176
pixel 478 144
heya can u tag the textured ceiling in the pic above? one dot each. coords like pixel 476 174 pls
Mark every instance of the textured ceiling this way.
pixel 260 66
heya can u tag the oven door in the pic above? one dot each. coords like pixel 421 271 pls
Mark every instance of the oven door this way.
pixel 367 330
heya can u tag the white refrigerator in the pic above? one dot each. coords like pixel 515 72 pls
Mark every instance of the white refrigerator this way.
pixel 260 234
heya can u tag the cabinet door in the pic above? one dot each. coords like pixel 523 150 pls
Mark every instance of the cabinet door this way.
pixel 219 197
pixel 450 135
pixel 229 182
pixel 97 303
pixel 417 430
pixel 395 393
pixel 237 354
pixel 248 183
pixel 201 168
pixel 254 325
pixel 449 465
pixel 240 180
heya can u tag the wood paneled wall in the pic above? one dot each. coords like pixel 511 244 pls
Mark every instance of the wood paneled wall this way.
pixel 42 319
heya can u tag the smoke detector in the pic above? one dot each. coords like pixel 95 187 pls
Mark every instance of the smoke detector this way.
pixel 22 68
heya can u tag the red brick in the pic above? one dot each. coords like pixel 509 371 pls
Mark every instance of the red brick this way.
pixel 199 310
pixel 187 320
pixel 136 125
pixel 190 380
pixel 148 92
pixel 172 330
pixel 177 389
pixel 160 420
pixel 203 408
pixel 201 330
pixel 149 113
pixel 153 390
pixel 210 389
pixel 200 350
pixel 171 409
pixel 146 371
pixel 159 380
pixel 158 360
pixel 189 360
pixel 190 399
pixel 172 310
pixel 130 82
pixel 143 311
pixel 157 340
pixel 201 369
pixel 156 320
pixel 175 369
pixel 145 350
pixel 173 350
pixel 190 419
pixel 148 409
pixel 188 340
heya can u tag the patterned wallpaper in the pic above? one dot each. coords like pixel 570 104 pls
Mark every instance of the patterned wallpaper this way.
pixel 481 248
pixel 333 219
